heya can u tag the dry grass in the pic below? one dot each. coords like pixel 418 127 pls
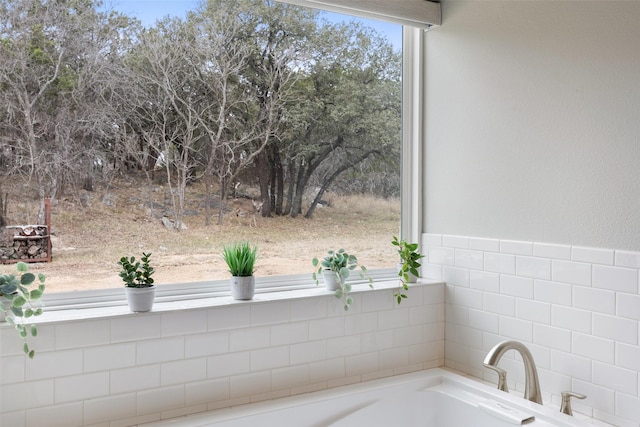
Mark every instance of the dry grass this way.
pixel 90 237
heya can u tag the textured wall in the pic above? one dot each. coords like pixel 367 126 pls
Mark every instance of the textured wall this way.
pixel 532 122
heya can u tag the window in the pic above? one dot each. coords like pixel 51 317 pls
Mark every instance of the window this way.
pixel 117 179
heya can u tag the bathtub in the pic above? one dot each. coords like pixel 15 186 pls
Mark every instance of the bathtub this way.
pixel 432 398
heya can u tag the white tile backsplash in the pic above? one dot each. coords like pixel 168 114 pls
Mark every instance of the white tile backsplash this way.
pixel 65 415
pixel 161 350
pixel 629 259
pixel 553 292
pixel 628 406
pixel 516 286
pixel 249 338
pixel 535 311
pixel 538 268
pixel 620 379
pixel 596 300
pixel 547 250
pixel 572 319
pixel 615 278
pixel 576 308
pixel 516 248
pixel 615 328
pixel 134 379
pixel 484 281
pixel 628 305
pixel 480 244
pixel 183 371
pixel 79 387
pixel 592 255
pixel 575 273
pixel 228 364
pixel 455 241
pixel 469 259
pixel 500 263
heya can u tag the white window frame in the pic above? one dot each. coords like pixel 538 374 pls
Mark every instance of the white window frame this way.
pixel 413 74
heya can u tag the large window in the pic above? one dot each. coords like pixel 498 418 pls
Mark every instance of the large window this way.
pixel 222 121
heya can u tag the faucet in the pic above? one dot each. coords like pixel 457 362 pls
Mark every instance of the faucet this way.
pixel 565 408
pixel 532 385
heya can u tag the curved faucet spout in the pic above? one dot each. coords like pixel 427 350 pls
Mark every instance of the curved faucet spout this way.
pixel 532 385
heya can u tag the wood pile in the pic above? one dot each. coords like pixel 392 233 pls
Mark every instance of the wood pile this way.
pixel 28 243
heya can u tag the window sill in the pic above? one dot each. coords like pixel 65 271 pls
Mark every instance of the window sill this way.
pixel 120 310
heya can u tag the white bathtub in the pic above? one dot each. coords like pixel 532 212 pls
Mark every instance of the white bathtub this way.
pixel 432 398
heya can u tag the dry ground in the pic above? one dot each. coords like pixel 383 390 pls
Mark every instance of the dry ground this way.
pixel 90 236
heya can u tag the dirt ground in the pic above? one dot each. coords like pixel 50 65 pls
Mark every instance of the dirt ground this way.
pixel 92 230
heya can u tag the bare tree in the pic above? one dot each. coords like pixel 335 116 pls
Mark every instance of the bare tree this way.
pixel 51 57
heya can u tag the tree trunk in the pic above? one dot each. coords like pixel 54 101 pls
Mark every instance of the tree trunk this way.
pixel 262 171
pixel 279 179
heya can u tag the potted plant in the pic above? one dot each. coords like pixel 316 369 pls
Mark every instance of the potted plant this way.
pixel 241 258
pixel 18 298
pixel 408 267
pixel 336 268
pixel 138 282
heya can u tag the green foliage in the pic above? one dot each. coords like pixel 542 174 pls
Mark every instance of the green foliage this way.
pixel 409 264
pixel 341 263
pixel 240 258
pixel 136 274
pixel 18 298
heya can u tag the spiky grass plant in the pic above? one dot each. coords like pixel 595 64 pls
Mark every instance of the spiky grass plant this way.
pixel 240 258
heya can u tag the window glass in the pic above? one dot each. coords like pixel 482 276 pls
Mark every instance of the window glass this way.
pixel 173 128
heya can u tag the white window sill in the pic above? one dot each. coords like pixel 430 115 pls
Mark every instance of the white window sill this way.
pixel 113 311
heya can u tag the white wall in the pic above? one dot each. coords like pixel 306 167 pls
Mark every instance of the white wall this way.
pixel 532 192
pixel 119 369
pixel 533 122
pixel 576 308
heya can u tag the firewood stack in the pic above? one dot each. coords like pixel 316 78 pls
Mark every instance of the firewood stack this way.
pixel 28 243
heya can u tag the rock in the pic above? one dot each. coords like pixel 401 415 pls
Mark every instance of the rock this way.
pixel 168 224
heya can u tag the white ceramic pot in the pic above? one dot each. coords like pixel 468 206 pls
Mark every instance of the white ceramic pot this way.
pixel 140 299
pixel 331 280
pixel 412 278
pixel 243 287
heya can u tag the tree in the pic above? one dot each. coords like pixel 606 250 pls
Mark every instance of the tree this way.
pixel 350 113
pixel 51 60
pixel 278 36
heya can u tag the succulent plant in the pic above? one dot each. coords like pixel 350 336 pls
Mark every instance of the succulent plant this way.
pixel 19 296
pixel 136 274
pixel 341 263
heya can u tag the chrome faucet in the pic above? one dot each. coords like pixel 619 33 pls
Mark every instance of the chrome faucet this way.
pixel 532 385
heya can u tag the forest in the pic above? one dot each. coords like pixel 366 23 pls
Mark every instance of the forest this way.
pixel 257 92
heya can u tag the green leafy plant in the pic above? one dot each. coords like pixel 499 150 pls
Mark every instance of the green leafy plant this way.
pixel 409 264
pixel 341 263
pixel 136 274
pixel 240 258
pixel 18 298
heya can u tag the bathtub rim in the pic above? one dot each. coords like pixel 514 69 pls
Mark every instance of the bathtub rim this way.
pixel 434 376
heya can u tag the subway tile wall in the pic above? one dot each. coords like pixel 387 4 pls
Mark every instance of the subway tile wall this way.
pixel 576 308
pixel 128 369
